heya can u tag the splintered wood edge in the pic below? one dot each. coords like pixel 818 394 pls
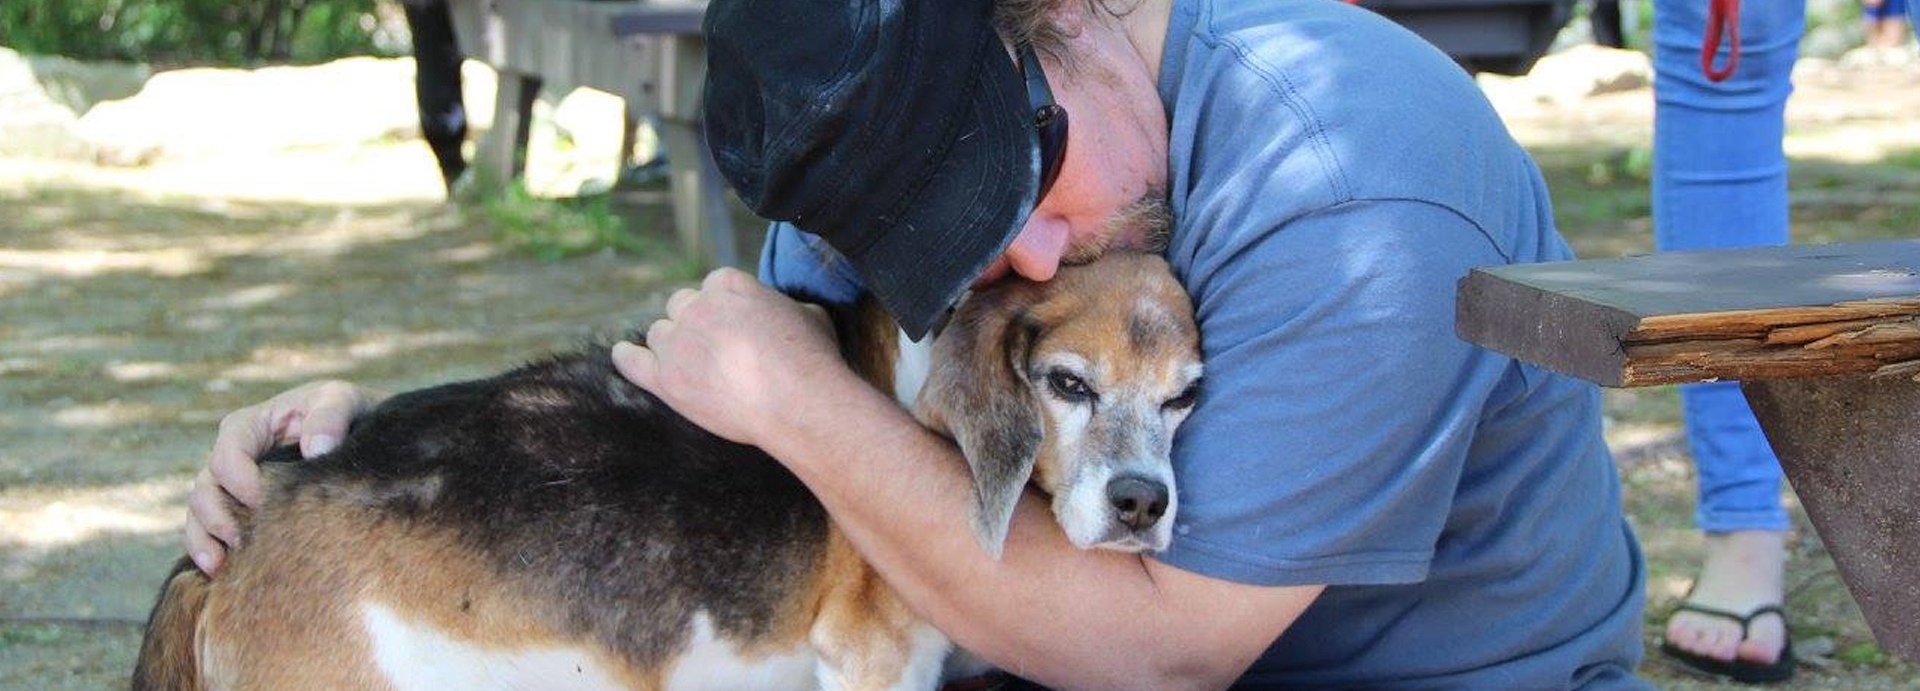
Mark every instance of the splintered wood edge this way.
pixel 1762 321
pixel 1610 346
pixel 1843 338
pixel 1899 369
pixel 1664 364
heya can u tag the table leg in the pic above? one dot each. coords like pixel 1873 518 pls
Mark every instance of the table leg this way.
pixel 505 149
pixel 1851 448
pixel 698 194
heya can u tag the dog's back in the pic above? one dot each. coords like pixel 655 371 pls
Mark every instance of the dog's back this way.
pixel 556 511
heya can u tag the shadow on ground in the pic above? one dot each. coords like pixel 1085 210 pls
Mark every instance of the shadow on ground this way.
pixel 132 325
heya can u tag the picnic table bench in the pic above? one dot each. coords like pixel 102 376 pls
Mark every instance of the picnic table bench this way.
pixel 647 52
pixel 1825 340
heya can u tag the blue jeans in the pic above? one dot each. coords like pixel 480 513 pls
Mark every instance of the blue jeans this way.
pixel 1720 180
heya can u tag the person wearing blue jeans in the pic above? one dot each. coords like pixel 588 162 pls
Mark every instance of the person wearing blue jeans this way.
pixel 1886 22
pixel 1720 180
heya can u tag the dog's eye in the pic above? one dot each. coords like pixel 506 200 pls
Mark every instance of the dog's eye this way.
pixel 1185 399
pixel 1068 387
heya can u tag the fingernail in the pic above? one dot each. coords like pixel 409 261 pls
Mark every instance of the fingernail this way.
pixel 319 444
pixel 624 349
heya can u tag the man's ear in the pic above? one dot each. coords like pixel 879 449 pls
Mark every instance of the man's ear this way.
pixel 978 393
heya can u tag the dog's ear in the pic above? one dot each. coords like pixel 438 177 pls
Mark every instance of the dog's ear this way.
pixel 978 394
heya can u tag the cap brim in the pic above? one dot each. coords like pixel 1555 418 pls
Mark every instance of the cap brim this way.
pixel 969 210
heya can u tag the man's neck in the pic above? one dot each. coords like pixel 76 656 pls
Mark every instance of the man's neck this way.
pixel 1146 29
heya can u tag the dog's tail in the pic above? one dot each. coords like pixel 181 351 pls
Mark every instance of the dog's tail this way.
pixel 167 657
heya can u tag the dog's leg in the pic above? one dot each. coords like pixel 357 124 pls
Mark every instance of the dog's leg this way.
pixel 926 658
pixel 895 660
pixel 866 637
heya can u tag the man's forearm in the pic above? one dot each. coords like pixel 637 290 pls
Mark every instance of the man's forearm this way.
pixel 1045 610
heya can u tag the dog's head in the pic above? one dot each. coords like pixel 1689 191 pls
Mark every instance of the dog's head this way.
pixel 1077 384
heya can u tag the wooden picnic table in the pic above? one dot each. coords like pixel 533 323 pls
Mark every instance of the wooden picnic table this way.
pixel 1825 340
pixel 648 52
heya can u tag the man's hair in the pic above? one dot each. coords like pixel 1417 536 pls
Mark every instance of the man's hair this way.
pixel 1032 22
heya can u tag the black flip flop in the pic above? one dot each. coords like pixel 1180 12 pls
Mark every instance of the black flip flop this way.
pixel 1742 671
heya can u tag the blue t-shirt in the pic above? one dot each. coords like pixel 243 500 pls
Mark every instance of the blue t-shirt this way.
pixel 1331 177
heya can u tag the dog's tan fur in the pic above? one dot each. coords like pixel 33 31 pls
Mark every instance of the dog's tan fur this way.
pixel 1148 353
pixel 285 613
pixel 311 560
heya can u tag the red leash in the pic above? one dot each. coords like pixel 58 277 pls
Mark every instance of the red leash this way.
pixel 1722 16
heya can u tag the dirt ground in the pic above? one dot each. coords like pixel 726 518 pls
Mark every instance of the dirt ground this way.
pixel 138 305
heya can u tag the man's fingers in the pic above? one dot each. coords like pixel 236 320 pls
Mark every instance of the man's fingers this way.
pixel 729 279
pixel 244 435
pixel 677 303
pixel 331 407
pixel 659 333
pixel 206 505
pixel 205 551
pixel 637 364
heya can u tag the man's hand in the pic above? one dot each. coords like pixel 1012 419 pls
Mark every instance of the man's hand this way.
pixel 314 415
pixel 732 354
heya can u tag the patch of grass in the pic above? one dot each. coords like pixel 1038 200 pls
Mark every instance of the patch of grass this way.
pixel 1600 198
pixel 1863 653
pixel 1646 405
pixel 29 635
pixel 1904 158
pixel 1603 204
pixel 553 229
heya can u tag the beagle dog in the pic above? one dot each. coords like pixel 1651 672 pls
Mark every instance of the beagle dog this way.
pixel 556 527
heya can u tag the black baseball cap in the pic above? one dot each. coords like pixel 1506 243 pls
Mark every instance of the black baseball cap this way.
pixel 896 130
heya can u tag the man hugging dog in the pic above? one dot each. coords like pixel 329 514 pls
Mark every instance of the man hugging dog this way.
pixel 1365 501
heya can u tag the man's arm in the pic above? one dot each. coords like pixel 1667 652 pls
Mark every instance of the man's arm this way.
pixel 1063 616
pixel 1048 611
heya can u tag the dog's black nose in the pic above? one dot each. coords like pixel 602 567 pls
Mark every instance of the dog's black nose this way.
pixel 1137 501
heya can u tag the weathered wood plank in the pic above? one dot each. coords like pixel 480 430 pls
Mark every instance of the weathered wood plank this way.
pixel 1735 323
pixel 1898 369
pixel 1645 367
pixel 1885 332
pixel 1763 313
pixel 1809 333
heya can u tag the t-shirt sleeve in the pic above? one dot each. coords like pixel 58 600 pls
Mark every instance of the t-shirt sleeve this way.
pixel 1339 405
pixel 798 263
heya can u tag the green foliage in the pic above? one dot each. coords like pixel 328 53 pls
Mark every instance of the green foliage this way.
pixel 553 229
pixel 1863 653
pixel 29 635
pixel 1634 164
pixel 191 32
pixel 1904 158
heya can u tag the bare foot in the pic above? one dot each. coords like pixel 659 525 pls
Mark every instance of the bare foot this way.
pixel 1743 571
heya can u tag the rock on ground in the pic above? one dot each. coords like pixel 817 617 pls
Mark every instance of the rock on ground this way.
pixel 41 98
pixel 201 111
pixel 1569 76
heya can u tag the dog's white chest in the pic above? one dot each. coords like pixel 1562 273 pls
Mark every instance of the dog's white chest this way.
pixel 711 664
pixel 414 656
pixel 911 363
